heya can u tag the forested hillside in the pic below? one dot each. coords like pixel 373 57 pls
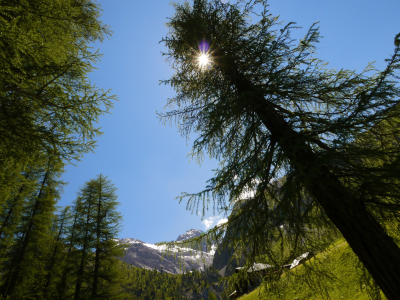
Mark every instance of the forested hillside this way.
pixel 145 284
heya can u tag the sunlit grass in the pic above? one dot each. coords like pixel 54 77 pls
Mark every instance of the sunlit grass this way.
pixel 339 260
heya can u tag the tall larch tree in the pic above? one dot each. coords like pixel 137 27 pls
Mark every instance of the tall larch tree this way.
pixel 85 240
pixel 57 255
pixel 12 208
pixel 48 112
pixel 47 103
pixel 46 99
pixel 97 227
pixel 23 269
pixel 267 108
pixel 107 225
pixel 65 285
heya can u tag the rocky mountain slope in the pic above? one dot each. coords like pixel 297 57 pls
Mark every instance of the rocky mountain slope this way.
pixel 149 256
pixel 192 233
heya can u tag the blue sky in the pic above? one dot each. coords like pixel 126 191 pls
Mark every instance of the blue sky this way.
pixel 147 161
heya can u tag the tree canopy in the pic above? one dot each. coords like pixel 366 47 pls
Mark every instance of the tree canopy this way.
pixel 47 102
pixel 306 153
pixel 48 115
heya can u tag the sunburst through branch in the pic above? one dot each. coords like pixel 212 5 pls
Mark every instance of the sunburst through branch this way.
pixel 203 60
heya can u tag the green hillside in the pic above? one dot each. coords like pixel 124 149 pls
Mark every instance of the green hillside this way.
pixel 340 261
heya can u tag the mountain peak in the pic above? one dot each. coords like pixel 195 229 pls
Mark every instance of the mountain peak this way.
pixel 129 241
pixel 191 233
pixel 150 256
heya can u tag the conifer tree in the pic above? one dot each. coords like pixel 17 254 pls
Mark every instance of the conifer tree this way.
pixel 96 228
pixel 268 108
pixel 107 226
pixel 55 259
pixel 12 208
pixel 85 240
pixel 67 278
pixel 23 266
pixel 47 103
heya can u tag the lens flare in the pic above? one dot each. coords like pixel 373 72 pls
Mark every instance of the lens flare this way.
pixel 203 60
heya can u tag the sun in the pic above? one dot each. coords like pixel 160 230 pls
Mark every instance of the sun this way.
pixel 203 60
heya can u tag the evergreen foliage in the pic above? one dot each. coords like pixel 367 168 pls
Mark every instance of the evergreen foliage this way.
pixel 55 260
pixel 48 111
pixel 70 255
pixel 95 249
pixel 152 284
pixel 47 104
pixel 211 296
pixel 267 108
pixel 27 231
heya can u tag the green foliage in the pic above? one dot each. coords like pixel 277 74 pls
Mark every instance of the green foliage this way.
pixel 72 255
pixel 96 227
pixel 48 111
pixel 342 265
pixel 47 102
pixel 27 233
pixel 267 108
pixel 211 296
pixel 145 284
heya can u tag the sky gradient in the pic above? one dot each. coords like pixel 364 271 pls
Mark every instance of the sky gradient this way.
pixel 147 161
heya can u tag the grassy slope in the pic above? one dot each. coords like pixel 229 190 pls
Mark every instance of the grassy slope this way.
pixel 340 260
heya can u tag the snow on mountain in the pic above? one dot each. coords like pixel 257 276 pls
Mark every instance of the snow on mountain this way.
pixel 149 256
pixel 129 241
pixel 213 249
pixel 192 233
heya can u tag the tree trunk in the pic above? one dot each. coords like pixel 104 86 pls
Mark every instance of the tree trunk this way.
pixel 81 269
pixel 53 256
pixel 375 249
pixel 15 202
pixel 67 269
pixel 97 255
